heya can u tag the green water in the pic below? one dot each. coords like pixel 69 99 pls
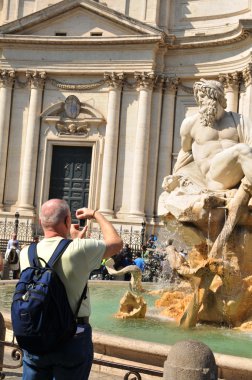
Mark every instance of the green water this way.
pixel 105 298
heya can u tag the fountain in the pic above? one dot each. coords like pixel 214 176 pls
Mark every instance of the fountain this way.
pixel 132 305
pixel 208 196
pixel 154 328
pixel 211 212
pixel 207 199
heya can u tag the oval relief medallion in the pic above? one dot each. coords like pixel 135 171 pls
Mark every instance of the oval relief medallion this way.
pixel 72 106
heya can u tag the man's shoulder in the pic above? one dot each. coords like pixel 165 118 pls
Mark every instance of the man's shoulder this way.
pixel 88 246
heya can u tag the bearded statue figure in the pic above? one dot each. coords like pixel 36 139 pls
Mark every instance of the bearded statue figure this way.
pixel 215 144
pixel 209 196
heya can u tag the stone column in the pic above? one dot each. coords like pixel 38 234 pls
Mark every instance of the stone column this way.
pixel 246 99
pixel 140 163
pixel 5 11
pixel 10 13
pixel 111 144
pixel 6 85
pixel 30 155
pixel 166 133
pixel 15 10
pixel 143 11
pixel 231 86
pixel 154 147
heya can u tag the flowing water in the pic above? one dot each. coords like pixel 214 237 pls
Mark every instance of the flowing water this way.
pixel 105 298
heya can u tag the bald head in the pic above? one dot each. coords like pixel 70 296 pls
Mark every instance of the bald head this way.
pixel 53 213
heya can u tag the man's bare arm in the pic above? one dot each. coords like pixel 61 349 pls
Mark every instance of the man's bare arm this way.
pixel 112 240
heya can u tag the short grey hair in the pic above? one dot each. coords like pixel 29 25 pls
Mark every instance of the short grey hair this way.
pixel 53 212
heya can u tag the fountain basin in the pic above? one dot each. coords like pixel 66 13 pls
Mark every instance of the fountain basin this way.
pixel 144 354
pixel 105 299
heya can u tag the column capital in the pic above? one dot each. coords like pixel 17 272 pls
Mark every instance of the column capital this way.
pixel 114 80
pixel 36 79
pixel 7 78
pixel 230 80
pixel 247 75
pixel 159 81
pixel 145 81
pixel 171 84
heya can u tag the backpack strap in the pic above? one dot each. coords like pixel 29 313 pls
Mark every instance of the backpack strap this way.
pixel 83 297
pixel 63 244
pixel 33 256
pixel 60 249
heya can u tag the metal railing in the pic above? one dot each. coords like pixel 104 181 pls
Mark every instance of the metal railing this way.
pixel 26 230
pixel 16 354
pixel 131 370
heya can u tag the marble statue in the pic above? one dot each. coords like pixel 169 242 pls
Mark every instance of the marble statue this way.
pixel 215 144
pixel 209 193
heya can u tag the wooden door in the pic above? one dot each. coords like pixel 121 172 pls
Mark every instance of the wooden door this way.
pixel 70 176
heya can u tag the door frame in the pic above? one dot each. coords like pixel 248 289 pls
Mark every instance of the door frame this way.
pixel 97 145
pixel 73 186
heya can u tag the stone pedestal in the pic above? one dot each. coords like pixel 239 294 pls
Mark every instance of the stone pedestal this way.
pixel 190 360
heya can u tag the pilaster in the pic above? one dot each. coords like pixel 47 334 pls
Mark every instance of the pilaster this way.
pixel 5 11
pixel 145 84
pixel 115 82
pixel 29 159
pixel 247 80
pixel 6 84
pixel 231 86
pixel 154 146
pixel 166 132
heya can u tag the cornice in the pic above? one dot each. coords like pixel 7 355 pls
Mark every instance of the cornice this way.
pixel 89 41
pixel 241 33
pixel 171 42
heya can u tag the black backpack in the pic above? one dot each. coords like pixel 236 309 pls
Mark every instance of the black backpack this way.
pixel 41 316
pixel 13 256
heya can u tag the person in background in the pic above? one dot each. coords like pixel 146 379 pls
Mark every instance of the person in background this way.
pixel 35 239
pixel 139 261
pixel 145 252
pixel 13 240
pixel 12 257
pixel 103 270
pixel 151 243
pixel 127 252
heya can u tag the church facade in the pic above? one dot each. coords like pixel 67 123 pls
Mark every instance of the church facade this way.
pixel 93 93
